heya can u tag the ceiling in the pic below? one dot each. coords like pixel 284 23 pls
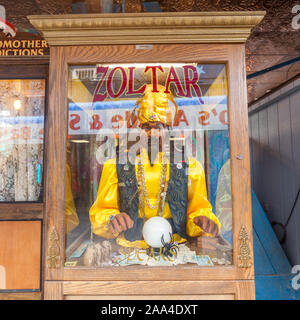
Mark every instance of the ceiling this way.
pixel 272 42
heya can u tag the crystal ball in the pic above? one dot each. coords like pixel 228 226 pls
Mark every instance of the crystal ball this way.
pixel 154 229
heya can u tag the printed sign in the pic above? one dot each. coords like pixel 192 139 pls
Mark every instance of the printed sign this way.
pixel 14 42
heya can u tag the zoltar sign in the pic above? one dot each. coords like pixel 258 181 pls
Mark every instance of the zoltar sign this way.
pixel 103 96
pixel 190 77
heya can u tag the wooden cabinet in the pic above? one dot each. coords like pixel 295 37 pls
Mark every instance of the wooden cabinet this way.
pixel 21 205
pixel 202 39
pixel 20 262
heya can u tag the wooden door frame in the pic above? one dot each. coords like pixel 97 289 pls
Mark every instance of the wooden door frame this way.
pixel 230 54
pixel 204 37
pixel 26 68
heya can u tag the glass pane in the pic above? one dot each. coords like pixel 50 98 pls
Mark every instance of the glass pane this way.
pixel 148 171
pixel 22 105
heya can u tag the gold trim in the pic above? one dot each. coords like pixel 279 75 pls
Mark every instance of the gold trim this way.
pixel 244 249
pixel 53 257
pixel 144 28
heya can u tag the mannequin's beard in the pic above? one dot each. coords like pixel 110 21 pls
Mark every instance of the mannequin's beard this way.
pixel 154 147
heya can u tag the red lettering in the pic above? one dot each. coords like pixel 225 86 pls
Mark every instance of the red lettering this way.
pixel 192 83
pixel 131 83
pixel 97 95
pixel 75 119
pixel 223 117
pixel 123 82
pixel 173 77
pixel 203 118
pixel 132 120
pixel 214 112
pixel 96 124
pixel 154 75
pixel 180 116
pixel 25 133
pixel 15 134
pixel 119 120
pixel 41 134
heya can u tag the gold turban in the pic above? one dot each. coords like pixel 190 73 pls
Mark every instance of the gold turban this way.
pixel 154 106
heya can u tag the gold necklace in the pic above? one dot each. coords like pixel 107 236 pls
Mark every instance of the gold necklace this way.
pixel 143 188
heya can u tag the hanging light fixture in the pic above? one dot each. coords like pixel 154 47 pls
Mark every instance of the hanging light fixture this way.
pixel 17 104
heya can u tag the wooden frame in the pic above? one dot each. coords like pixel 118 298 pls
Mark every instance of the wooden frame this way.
pixel 233 56
pixel 237 279
pixel 154 27
pixel 168 290
pixel 25 68
pixel 26 290
pixel 20 68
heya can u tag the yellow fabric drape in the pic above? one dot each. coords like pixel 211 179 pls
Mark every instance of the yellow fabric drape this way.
pixel 106 203
pixel 72 220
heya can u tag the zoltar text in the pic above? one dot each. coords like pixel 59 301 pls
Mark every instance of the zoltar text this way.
pixel 185 89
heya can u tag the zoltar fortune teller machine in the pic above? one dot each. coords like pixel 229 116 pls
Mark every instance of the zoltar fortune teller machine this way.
pixel 130 194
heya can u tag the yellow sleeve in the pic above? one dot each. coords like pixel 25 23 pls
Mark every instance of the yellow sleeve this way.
pixel 198 204
pixel 72 220
pixel 106 203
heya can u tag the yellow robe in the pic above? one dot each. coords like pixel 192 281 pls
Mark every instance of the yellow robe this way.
pixel 106 203
pixel 72 220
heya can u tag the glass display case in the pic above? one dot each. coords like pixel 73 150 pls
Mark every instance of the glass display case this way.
pixel 147 175
pixel 23 101
pixel 165 126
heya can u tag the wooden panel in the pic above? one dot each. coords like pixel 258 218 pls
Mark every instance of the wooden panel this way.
pixel 55 140
pixel 53 290
pixel 239 157
pixel 21 211
pixel 145 28
pixel 159 53
pixel 21 296
pixel 21 253
pixel 2 277
pixel 156 297
pixel 245 290
pixel 160 289
pixel 10 69
pixel 148 287
pixel 149 273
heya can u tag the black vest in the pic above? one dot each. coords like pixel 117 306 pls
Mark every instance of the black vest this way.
pixel 177 197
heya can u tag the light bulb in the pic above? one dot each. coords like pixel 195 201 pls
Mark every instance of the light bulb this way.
pixel 17 104
pixel 154 229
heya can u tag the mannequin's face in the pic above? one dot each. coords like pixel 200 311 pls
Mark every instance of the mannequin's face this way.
pixel 153 132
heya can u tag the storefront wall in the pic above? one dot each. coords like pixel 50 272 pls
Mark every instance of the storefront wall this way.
pixel 188 38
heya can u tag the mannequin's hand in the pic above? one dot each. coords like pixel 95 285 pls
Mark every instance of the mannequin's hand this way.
pixel 207 225
pixel 120 222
